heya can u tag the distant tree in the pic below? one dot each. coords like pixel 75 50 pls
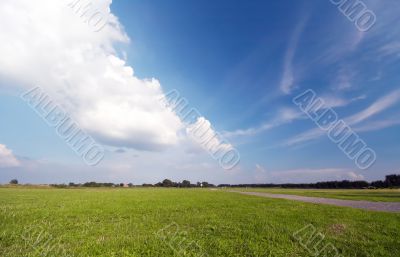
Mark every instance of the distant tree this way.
pixel 167 183
pixel 392 180
pixel 186 183
pixel 91 184
pixel 205 184
pixel 378 184
pixel 130 185
pixel 59 185
pixel 14 182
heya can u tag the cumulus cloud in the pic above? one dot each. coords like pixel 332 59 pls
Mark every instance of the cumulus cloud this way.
pixel 46 43
pixel 202 133
pixel 7 158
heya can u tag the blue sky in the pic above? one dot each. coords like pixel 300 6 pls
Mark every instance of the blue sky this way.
pixel 240 64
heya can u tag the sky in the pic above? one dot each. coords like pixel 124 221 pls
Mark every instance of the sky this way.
pixel 240 64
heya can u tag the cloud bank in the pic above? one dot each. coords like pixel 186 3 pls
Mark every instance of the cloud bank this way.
pixel 48 44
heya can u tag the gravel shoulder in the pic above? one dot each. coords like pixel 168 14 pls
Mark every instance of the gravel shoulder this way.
pixel 366 205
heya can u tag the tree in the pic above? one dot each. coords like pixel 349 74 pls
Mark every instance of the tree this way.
pixel 392 180
pixel 14 182
pixel 167 183
pixel 205 184
pixel 378 184
pixel 186 183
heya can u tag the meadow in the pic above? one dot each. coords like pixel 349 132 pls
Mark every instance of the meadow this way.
pixel 181 222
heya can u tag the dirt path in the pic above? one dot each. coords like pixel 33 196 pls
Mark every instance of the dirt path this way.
pixel 373 206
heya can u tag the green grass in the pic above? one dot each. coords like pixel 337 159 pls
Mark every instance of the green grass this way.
pixel 379 195
pixel 125 222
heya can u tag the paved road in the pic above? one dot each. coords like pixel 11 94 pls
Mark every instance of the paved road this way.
pixel 373 206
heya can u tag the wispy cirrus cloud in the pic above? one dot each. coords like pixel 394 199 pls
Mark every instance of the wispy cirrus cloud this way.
pixel 378 106
pixel 377 125
pixel 390 49
pixel 332 101
pixel 375 108
pixel 304 137
pixel 288 79
pixel 288 115
pixel 284 116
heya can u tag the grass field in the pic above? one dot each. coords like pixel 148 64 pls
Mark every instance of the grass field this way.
pixel 129 222
pixel 379 195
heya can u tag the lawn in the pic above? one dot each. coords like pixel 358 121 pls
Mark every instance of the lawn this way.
pixel 181 222
pixel 374 195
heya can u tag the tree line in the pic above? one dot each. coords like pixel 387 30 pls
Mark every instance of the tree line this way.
pixel 391 181
pixel 164 183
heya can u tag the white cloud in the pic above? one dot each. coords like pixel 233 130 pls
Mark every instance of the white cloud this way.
pixel 7 158
pixel 202 133
pixel 46 44
pixel 354 176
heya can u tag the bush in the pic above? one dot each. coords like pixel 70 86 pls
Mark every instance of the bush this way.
pixel 14 182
